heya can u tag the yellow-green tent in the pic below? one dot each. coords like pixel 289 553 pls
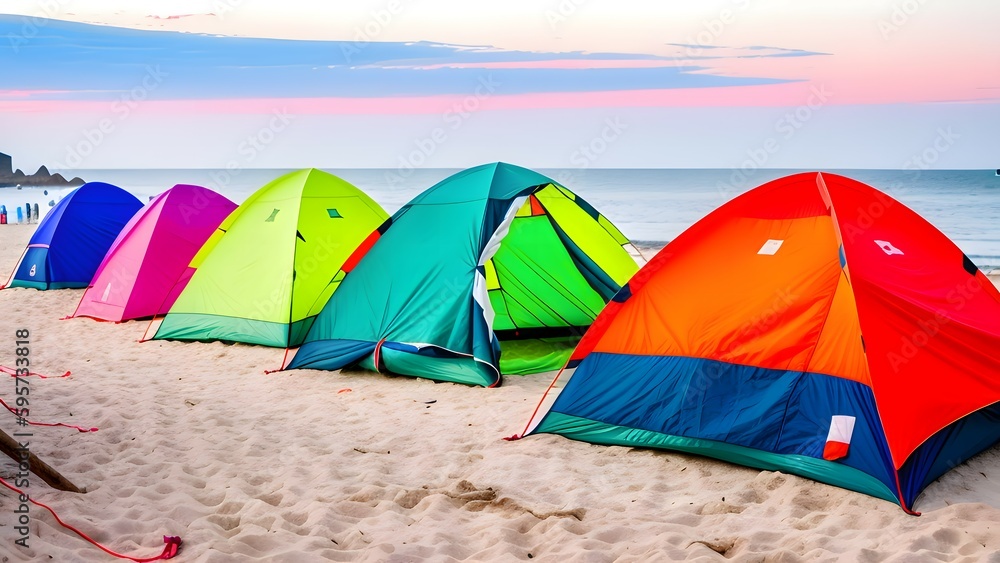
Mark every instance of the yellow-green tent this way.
pixel 271 266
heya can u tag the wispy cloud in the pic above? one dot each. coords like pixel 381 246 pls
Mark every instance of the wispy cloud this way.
pixel 692 51
pixel 72 61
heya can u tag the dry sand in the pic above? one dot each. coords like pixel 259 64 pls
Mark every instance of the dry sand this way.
pixel 196 441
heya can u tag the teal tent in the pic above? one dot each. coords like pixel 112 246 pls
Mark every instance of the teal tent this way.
pixel 495 269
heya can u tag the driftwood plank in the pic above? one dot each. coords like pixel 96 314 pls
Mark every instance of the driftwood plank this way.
pixel 44 471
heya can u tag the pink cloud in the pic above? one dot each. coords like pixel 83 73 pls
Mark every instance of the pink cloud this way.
pixel 839 92
pixel 23 94
pixel 747 96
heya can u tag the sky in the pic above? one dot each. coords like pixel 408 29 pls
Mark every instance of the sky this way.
pixel 548 84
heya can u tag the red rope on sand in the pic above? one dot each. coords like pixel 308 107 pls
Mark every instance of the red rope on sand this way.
pixel 284 359
pixel 173 543
pixel 535 412
pixel 11 278
pixel 13 373
pixel 17 413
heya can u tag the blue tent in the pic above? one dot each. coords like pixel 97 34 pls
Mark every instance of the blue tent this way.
pixel 71 241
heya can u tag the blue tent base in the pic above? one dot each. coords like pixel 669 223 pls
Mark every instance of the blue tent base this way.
pixel 42 286
pixel 833 473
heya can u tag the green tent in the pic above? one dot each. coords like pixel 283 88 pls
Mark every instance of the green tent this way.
pixel 274 262
pixel 495 258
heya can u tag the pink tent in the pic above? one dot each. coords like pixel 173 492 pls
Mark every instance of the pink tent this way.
pixel 147 266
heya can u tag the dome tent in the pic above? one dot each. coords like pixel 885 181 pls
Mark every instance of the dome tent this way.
pixel 270 266
pixel 147 266
pixel 860 348
pixel 70 242
pixel 494 269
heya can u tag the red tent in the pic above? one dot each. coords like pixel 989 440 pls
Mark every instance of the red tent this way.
pixel 813 325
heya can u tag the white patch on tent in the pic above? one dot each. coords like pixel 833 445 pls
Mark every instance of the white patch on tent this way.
pixel 770 247
pixel 107 292
pixel 888 248
pixel 841 429
pixel 31 272
pixel 838 440
pixel 479 291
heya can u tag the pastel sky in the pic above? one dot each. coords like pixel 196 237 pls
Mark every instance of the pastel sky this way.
pixel 450 83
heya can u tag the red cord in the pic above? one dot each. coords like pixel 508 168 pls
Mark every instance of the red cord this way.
pixel 73 426
pixel 13 373
pixel 282 368
pixel 535 412
pixel 173 543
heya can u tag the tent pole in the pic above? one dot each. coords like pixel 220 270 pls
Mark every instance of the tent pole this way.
pixel 43 470
pixel 641 255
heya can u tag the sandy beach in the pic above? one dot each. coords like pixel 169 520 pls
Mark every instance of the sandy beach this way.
pixel 195 440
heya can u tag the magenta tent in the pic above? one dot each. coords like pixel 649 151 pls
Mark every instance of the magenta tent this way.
pixel 147 266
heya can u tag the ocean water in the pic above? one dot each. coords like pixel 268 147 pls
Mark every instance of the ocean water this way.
pixel 649 206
